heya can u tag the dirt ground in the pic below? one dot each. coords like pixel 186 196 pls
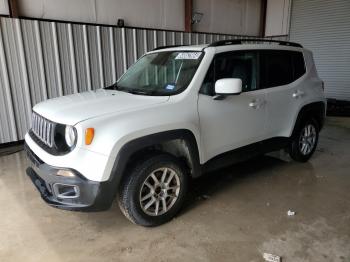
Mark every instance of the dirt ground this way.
pixel 234 214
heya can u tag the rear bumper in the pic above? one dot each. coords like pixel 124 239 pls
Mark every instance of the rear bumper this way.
pixel 83 194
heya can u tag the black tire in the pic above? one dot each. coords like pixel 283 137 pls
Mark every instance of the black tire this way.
pixel 130 190
pixel 295 147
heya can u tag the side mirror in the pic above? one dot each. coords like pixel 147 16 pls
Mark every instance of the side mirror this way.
pixel 227 86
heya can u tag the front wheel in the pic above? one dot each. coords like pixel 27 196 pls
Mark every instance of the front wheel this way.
pixel 154 191
pixel 304 141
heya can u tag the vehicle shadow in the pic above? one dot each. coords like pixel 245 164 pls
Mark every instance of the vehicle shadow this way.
pixel 220 180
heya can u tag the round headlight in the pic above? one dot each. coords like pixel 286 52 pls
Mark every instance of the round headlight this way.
pixel 70 136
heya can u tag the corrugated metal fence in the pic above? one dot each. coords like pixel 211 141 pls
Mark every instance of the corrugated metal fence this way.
pixel 324 27
pixel 41 60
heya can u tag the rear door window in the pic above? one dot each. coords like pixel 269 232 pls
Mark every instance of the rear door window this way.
pixel 280 67
pixel 298 65
pixel 276 68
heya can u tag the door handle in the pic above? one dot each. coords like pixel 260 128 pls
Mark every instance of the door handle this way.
pixel 253 104
pixel 298 94
pixel 256 103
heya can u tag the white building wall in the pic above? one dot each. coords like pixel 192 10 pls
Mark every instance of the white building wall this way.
pixel 277 17
pixel 4 9
pixel 162 14
pixel 229 16
pixel 220 16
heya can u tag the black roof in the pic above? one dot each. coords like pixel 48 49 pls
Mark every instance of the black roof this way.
pixel 253 40
pixel 240 42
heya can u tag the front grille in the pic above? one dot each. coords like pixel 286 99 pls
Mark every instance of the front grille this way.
pixel 43 129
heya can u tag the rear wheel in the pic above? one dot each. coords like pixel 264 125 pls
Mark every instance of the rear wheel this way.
pixel 304 141
pixel 154 191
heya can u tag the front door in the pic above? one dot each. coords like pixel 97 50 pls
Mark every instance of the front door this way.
pixel 237 120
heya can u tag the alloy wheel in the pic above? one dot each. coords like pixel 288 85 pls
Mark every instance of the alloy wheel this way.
pixel 307 139
pixel 159 191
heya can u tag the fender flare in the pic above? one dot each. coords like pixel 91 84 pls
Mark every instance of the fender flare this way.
pixel 316 110
pixel 133 146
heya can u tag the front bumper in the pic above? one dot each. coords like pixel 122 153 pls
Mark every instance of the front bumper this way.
pixel 84 194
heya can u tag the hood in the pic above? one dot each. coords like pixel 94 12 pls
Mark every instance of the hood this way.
pixel 75 108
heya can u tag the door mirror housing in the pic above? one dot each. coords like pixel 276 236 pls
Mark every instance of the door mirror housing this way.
pixel 227 86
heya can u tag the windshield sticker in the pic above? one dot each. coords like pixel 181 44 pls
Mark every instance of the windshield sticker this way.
pixel 189 55
pixel 169 87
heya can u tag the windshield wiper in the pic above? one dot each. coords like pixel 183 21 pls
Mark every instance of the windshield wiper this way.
pixel 113 87
pixel 139 92
pixel 131 91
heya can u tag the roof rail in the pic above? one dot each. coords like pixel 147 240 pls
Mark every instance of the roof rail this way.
pixel 243 40
pixel 166 46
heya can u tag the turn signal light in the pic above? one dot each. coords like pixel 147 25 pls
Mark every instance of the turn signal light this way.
pixel 89 135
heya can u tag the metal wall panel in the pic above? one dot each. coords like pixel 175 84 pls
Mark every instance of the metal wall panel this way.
pixel 17 74
pixel 324 27
pixel 106 52
pixel 81 58
pixel 95 58
pixel 41 60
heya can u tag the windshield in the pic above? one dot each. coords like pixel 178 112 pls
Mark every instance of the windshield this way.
pixel 161 73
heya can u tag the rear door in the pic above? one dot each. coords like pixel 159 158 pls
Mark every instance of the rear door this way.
pixel 281 75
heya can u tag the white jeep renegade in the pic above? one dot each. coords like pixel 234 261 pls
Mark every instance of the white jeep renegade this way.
pixel 176 113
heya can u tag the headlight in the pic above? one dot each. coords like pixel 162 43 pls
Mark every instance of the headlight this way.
pixel 70 136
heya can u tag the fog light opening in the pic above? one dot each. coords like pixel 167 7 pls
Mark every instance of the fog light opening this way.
pixel 65 173
pixel 66 191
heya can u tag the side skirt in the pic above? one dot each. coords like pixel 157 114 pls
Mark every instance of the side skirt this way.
pixel 244 153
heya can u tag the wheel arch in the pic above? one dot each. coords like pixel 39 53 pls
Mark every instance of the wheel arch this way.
pixel 315 110
pixel 137 148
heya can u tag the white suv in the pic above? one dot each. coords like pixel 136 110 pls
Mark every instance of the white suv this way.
pixel 176 113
